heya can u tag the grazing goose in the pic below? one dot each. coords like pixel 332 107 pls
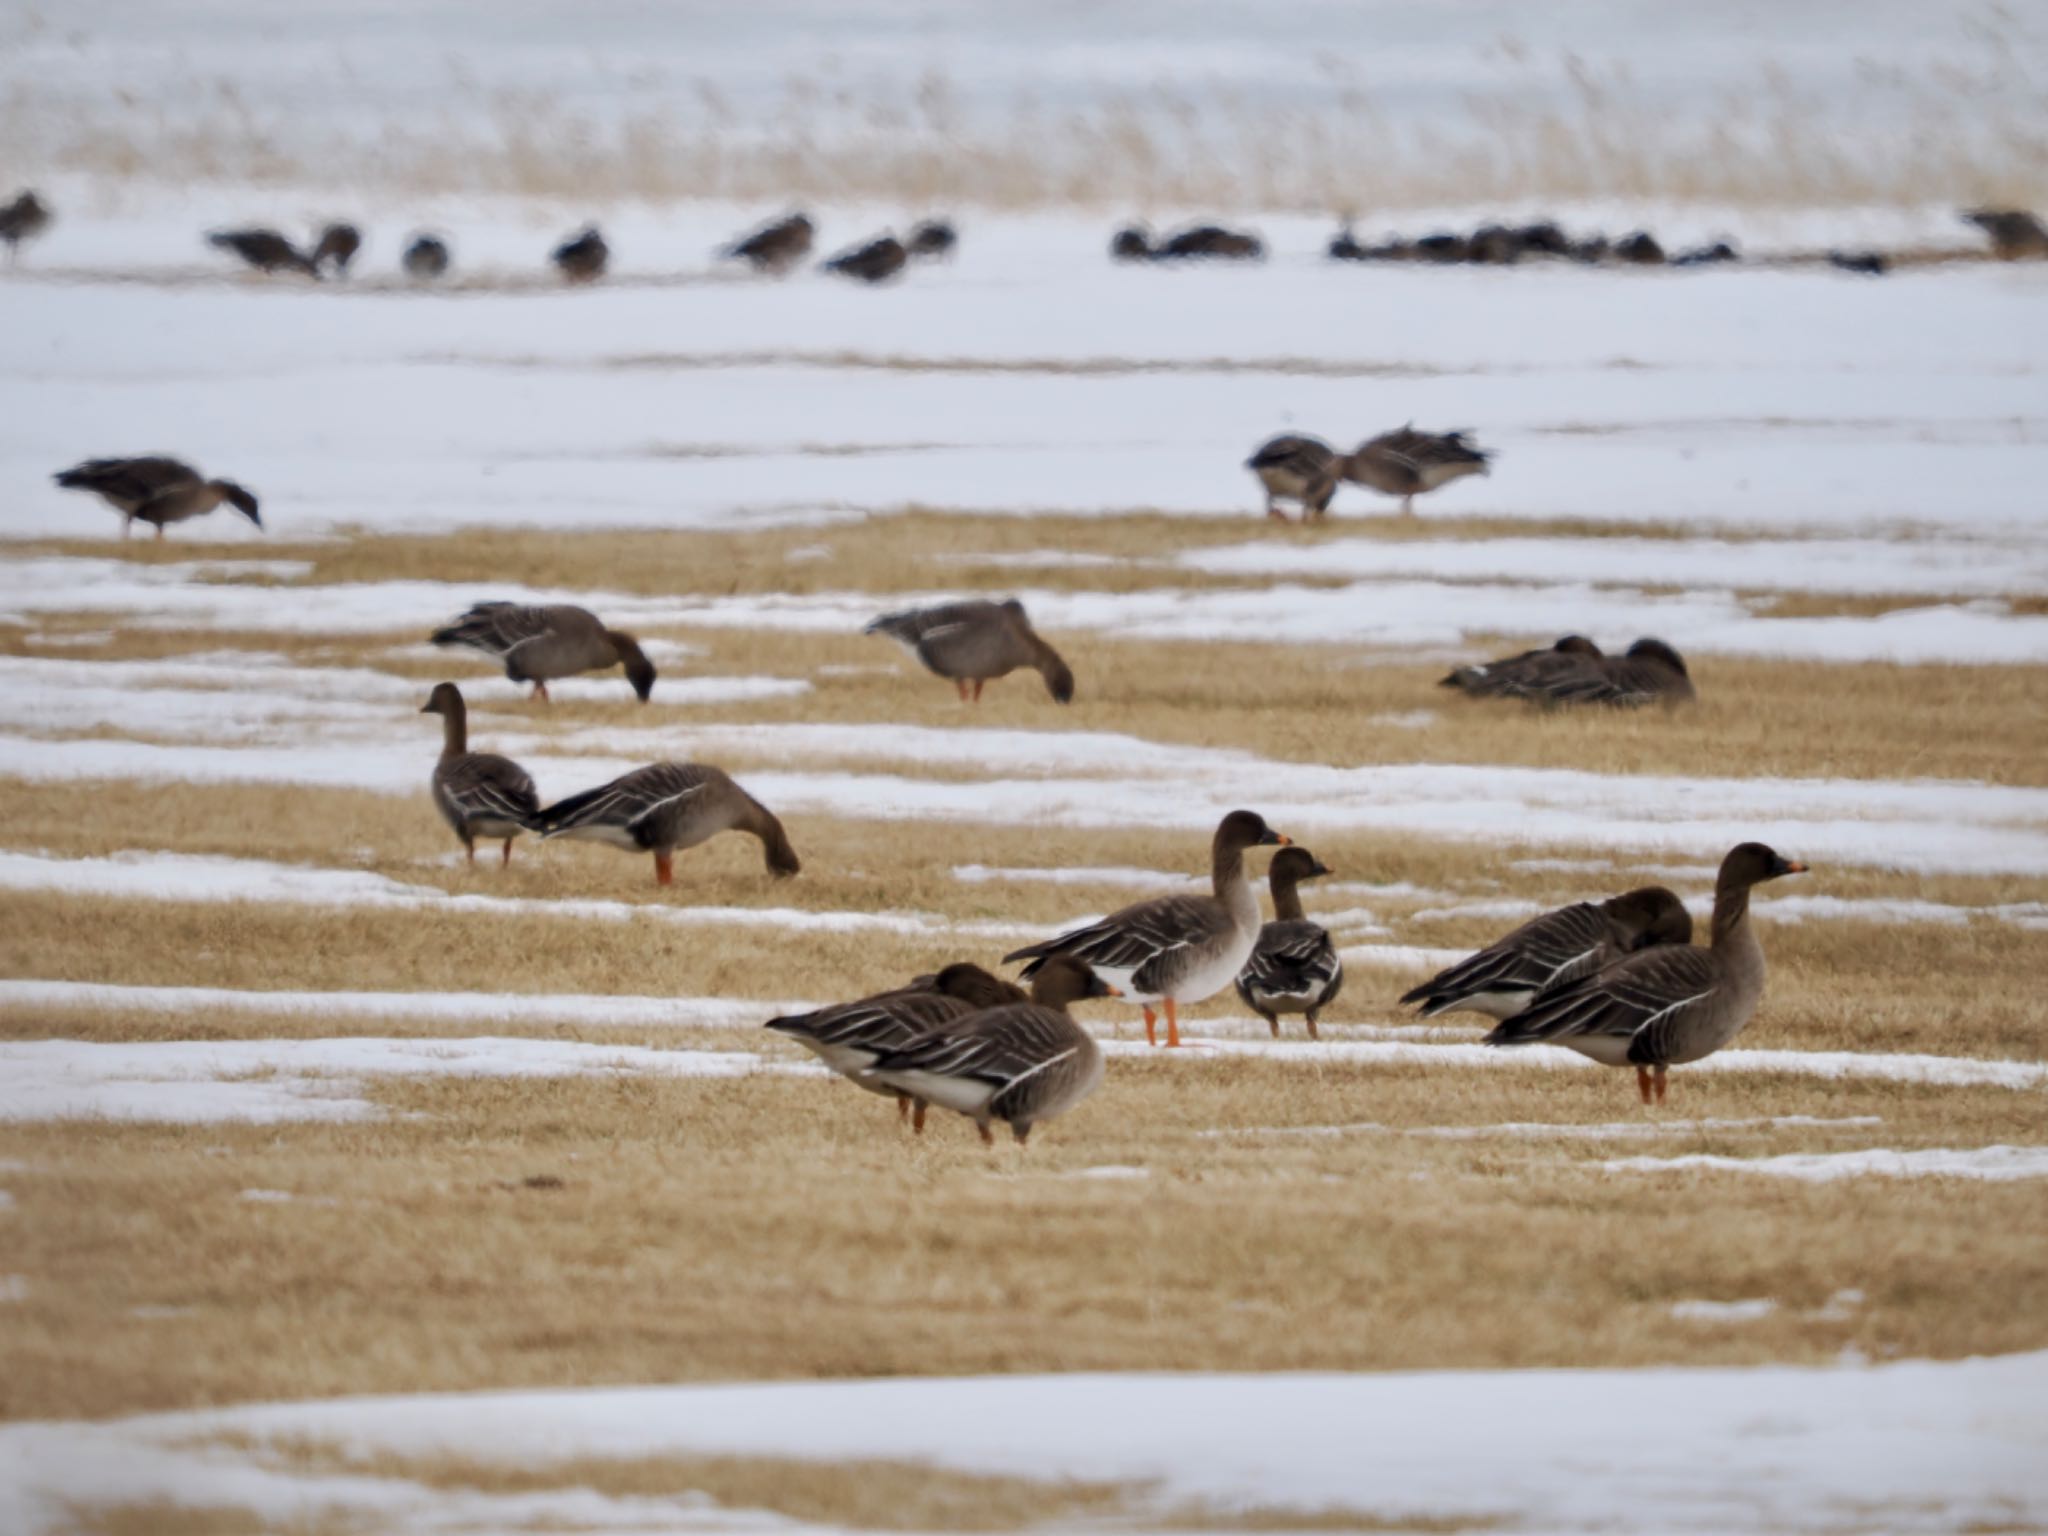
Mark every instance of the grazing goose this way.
pixel 2015 234
pixel 1668 1005
pixel 156 490
pixel 774 247
pixel 666 806
pixel 1020 1063
pixel 1294 967
pixel 1407 463
pixel 264 249
pixel 426 257
pixel 875 262
pixel 540 644
pixel 974 642
pixel 21 220
pixel 933 238
pixel 338 244
pixel 1553 951
pixel 1650 673
pixel 479 794
pixel 1176 949
pixel 1516 675
pixel 850 1037
pixel 582 257
pixel 1298 469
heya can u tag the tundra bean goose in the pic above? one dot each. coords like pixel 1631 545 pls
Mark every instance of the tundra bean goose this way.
pixel 338 244
pixel 265 250
pixel 1407 463
pixel 1174 949
pixel 479 794
pixel 1650 673
pixel 583 257
pixel 22 220
pixel 1294 967
pixel 666 806
pixel 1553 951
pixel 426 258
pixel 1517 675
pixel 876 262
pixel 975 642
pixel 1670 1004
pixel 933 238
pixel 156 490
pixel 774 247
pixel 1298 469
pixel 542 643
pixel 1020 1063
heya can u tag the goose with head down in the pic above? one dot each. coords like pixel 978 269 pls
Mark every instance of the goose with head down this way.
pixel 479 794
pixel 666 806
pixel 156 490
pixel 1298 469
pixel 540 643
pixel 1407 463
pixel 973 643
pixel 1294 967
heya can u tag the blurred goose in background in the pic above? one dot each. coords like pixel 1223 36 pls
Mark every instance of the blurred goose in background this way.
pixel 426 257
pixel 875 262
pixel 1174 949
pixel 1298 469
pixel 156 490
pixel 23 220
pixel 1294 967
pixel 666 806
pixel 264 249
pixel 2016 235
pixel 479 794
pixel 1131 243
pixel 1207 242
pixel 1407 463
pixel 933 238
pixel 1554 950
pixel 583 257
pixel 1670 1004
pixel 1518 675
pixel 1019 1063
pixel 338 244
pixel 541 643
pixel 975 642
pixel 774 247
pixel 850 1037
pixel 1640 249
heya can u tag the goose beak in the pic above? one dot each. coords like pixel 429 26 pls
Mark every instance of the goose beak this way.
pixel 1282 839
pixel 1791 867
pixel 1322 869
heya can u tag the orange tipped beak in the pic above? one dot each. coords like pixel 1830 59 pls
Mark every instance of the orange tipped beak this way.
pixel 1109 991
pixel 1285 840
pixel 1794 867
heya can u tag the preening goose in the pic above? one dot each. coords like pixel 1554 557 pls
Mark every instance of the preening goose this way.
pixel 975 642
pixel 1671 1004
pixel 338 244
pixel 156 490
pixel 1294 967
pixel 850 1037
pixel 875 262
pixel 542 643
pixel 1020 1063
pixel 479 794
pixel 1553 951
pixel 666 806
pixel 583 257
pixel 1517 675
pixel 22 220
pixel 1407 463
pixel 265 250
pixel 1298 469
pixel 774 247
pixel 426 257
pixel 1174 949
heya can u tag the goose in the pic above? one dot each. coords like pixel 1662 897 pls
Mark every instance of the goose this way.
pixel 1407 463
pixel 1210 242
pixel 1294 967
pixel 1640 249
pixel 583 257
pixel 156 490
pixel 875 262
pixel 1542 239
pixel 1651 672
pixel 1443 248
pixel 850 1037
pixel 1553 951
pixel 1131 243
pixel 338 244
pixel 666 806
pixel 2015 234
pixel 1298 469
pixel 1671 1004
pixel 974 642
pixel 774 247
pixel 1344 246
pixel 21 220
pixel 1175 949
pixel 426 257
pixel 540 643
pixel 1019 1063
pixel 1515 675
pixel 1494 245
pixel 264 249
pixel 479 794
pixel 933 238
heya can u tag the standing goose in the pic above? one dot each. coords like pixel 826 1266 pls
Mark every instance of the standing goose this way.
pixel 975 642
pixel 23 219
pixel 1294 967
pixel 1553 951
pixel 875 262
pixel 774 247
pixel 1671 1004
pixel 338 244
pixel 265 250
pixel 1299 469
pixel 1020 1063
pixel 583 257
pixel 479 794
pixel 156 490
pixel 540 644
pixel 1518 675
pixel 2015 234
pixel 1176 949
pixel 426 258
pixel 1407 463
pixel 1650 673
pixel 666 806
pixel 850 1038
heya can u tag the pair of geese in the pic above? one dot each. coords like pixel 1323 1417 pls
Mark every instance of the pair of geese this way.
pixel 1404 463
pixel 780 245
pixel 1575 670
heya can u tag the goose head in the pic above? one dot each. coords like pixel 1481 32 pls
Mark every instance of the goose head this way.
pixel 1653 915
pixel 240 499
pixel 1063 980
pixel 1295 863
pixel 1247 829
pixel 1750 864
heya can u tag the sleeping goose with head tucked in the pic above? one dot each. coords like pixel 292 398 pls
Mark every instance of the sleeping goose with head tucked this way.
pixel 1518 675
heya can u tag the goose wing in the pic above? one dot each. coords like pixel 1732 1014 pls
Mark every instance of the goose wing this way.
pixel 1637 999
pixel 485 784
pixel 129 482
pixel 1547 951
pixel 1140 934
pixel 499 629
pixel 627 801
pixel 997 1046
pixel 1294 959
pixel 886 1021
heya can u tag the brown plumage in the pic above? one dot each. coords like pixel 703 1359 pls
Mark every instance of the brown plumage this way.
pixel 156 490
pixel 583 257
pixel 2015 234
pixel 338 244
pixel 875 262
pixel 540 643
pixel 479 794
pixel 666 806
pixel 774 247
pixel 265 250
pixel 1518 676
pixel 1651 672
pixel 426 257
pixel 22 220
pixel 1294 967
pixel 975 642
pixel 1407 463
pixel 1298 469
pixel 1210 242
pixel 932 238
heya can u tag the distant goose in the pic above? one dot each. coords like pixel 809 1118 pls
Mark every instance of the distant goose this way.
pixel 156 490
pixel 426 258
pixel 479 794
pixel 1553 951
pixel 974 643
pixel 1640 249
pixel 1175 949
pixel 1298 469
pixel 583 257
pixel 774 247
pixel 1206 242
pixel 932 238
pixel 1668 1005
pixel 23 220
pixel 1863 263
pixel 1345 246
pixel 1517 676
pixel 1133 243
pixel 1407 463
pixel 1294 967
pixel 850 1037
pixel 1020 1063
pixel 2015 234
pixel 338 244
pixel 1650 673
pixel 875 262
pixel 542 643
pixel 666 806
pixel 265 250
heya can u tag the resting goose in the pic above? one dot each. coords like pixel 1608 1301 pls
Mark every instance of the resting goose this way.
pixel 264 249
pixel 975 642
pixel 774 247
pixel 1650 673
pixel 540 644
pixel 1210 242
pixel 1407 463
pixel 875 262
pixel 1517 675
pixel 426 258
pixel 1671 1004
pixel 1294 967
pixel 583 257
pixel 156 490
pixel 1175 949
pixel 338 244
pixel 666 806
pixel 1553 951
pixel 1020 1063
pixel 1298 469
pixel 23 219
pixel 479 794
pixel 850 1038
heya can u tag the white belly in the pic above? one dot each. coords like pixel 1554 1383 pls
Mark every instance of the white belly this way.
pixel 1608 1050
pixel 966 1095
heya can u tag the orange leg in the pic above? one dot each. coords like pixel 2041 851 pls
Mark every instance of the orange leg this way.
pixel 540 691
pixel 1643 1083
pixel 1273 1023
pixel 902 1106
pixel 507 857
pixel 978 682
pixel 960 683
pixel 1660 1082
pixel 1172 1025
pixel 988 1137
pixel 664 869
pixel 1151 1020
pixel 472 854
pixel 917 1116
pixel 1312 1027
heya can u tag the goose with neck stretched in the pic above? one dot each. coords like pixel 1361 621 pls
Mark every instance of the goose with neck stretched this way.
pixel 1174 949
pixel 1669 1005
pixel 479 794
pixel 973 643
pixel 666 806
pixel 1294 967
pixel 541 643
pixel 156 490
